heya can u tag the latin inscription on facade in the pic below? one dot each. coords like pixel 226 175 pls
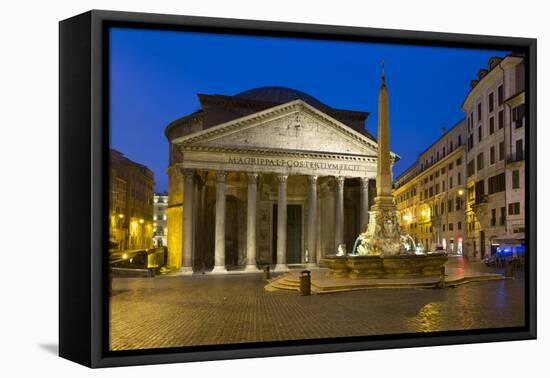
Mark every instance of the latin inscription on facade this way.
pixel 293 163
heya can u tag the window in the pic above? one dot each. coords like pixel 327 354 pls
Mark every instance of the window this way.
pixel 442 207
pixel 513 208
pixel 491 125
pixel 431 177
pixel 458 161
pixel 451 227
pixel 460 140
pixel 492 157
pixel 443 228
pixel 501 151
pixel 459 225
pixel 500 95
pixel 443 170
pixel 449 206
pixel 500 119
pixel 458 203
pixel 459 178
pixel 515 179
pixel 502 216
pixel 493 217
pixel 431 191
pixel 491 102
pixel 480 191
pixel 479 135
pixel 470 168
pixel 517 115
pixel 497 183
pixel 436 188
pixel 480 161
pixel 451 167
pixel 519 149
pixel 479 111
pixel 443 186
pixel 451 182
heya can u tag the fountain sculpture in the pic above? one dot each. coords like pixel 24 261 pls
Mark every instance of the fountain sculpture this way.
pixel 383 250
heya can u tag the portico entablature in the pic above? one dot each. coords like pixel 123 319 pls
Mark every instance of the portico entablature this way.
pixel 279 163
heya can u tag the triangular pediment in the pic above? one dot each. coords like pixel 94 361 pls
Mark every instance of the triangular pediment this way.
pixel 294 127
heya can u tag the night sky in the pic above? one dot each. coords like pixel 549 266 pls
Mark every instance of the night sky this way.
pixel 156 75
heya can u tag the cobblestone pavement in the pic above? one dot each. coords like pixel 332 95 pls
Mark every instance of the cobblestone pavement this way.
pixel 170 311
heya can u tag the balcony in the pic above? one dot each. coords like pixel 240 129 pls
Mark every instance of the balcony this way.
pixel 515 157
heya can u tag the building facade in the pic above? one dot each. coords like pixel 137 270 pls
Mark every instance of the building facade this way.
pixel 268 176
pixel 466 192
pixel 160 220
pixel 495 113
pixel 430 195
pixel 130 204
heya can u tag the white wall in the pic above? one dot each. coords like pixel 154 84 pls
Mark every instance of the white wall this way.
pixel 28 152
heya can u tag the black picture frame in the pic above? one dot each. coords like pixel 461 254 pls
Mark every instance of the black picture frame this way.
pixel 83 196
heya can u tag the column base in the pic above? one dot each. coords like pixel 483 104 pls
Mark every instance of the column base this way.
pixel 185 271
pixel 219 270
pixel 281 268
pixel 251 269
pixel 312 265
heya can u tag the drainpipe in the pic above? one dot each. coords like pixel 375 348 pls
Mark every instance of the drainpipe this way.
pixel 505 108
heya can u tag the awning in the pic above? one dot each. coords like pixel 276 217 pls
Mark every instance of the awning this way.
pixel 510 239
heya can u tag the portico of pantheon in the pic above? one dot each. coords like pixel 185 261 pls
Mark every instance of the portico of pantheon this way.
pixel 268 176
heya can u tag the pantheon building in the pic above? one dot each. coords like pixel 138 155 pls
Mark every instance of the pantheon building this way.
pixel 268 176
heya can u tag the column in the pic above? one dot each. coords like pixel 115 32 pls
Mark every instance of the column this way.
pixel 364 204
pixel 187 235
pixel 219 248
pixel 251 211
pixel 281 225
pixel 339 218
pixel 312 220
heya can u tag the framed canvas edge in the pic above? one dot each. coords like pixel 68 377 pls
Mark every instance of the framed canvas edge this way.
pixel 99 194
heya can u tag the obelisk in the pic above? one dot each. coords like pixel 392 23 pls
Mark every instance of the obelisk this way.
pixel 383 234
pixel 384 198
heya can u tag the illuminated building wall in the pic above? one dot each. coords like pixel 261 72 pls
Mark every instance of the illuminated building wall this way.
pixel 495 149
pixel 130 204
pixel 430 195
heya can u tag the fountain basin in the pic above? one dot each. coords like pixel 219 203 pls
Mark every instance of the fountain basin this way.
pixel 402 266
pixel 365 266
pixel 337 267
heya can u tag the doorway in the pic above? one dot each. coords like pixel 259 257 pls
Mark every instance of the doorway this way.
pixel 293 234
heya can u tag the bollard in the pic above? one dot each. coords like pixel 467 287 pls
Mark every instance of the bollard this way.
pixel 266 272
pixel 441 283
pixel 509 270
pixel 305 282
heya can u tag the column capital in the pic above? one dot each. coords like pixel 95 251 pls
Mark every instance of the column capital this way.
pixel 312 180
pixel 252 178
pixel 221 176
pixel 364 182
pixel 282 179
pixel 340 180
pixel 187 172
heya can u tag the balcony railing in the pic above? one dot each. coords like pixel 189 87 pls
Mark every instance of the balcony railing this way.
pixel 516 156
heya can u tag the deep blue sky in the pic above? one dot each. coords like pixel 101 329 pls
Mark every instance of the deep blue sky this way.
pixel 156 75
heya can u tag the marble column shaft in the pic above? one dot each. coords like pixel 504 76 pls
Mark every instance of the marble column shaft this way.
pixel 187 235
pixel 339 218
pixel 312 219
pixel 281 224
pixel 364 204
pixel 251 214
pixel 219 249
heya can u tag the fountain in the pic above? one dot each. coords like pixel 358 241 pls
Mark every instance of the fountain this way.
pixel 383 250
